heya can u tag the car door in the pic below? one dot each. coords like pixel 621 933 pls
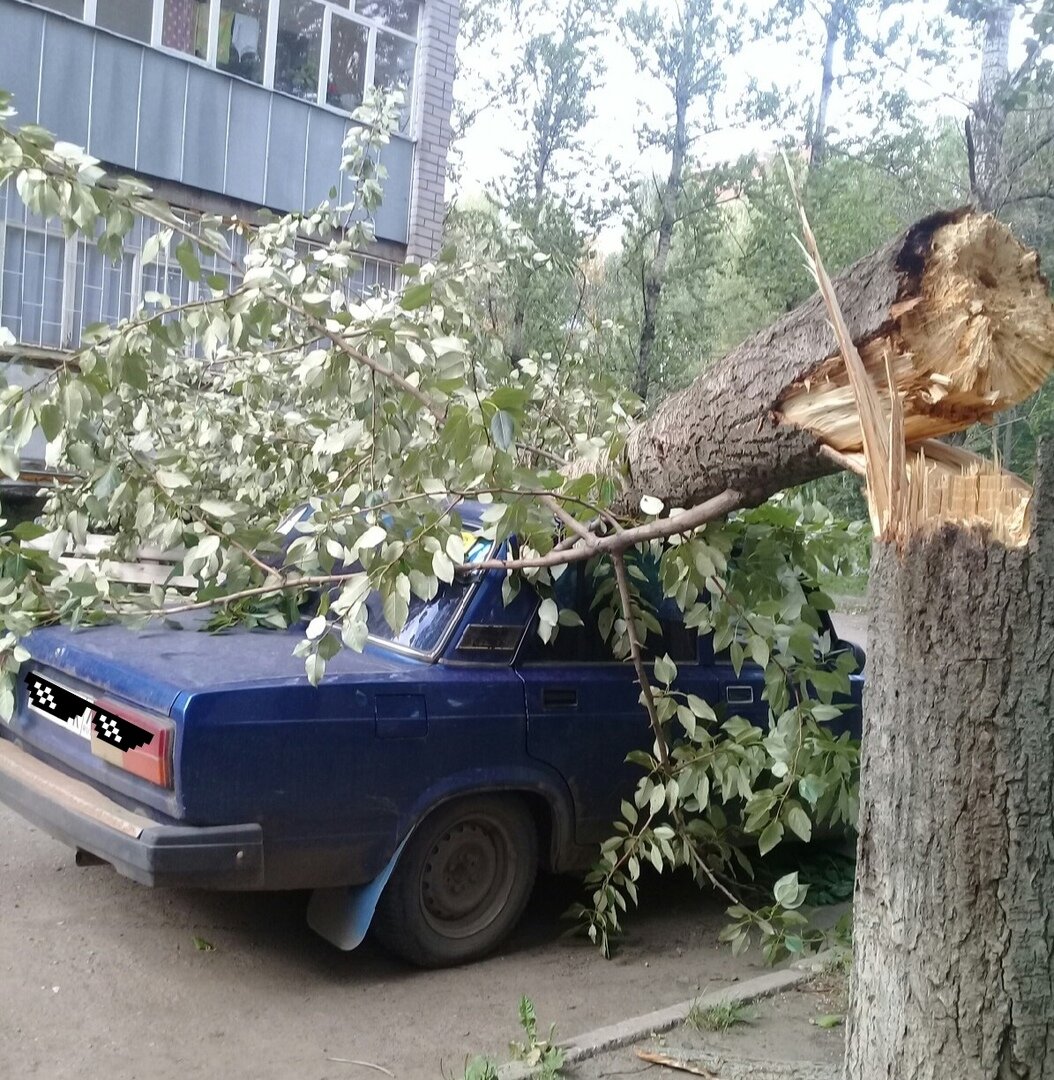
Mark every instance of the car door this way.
pixel 740 693
pixel 583 712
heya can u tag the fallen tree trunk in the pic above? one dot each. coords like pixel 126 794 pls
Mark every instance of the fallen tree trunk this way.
pixel 955 303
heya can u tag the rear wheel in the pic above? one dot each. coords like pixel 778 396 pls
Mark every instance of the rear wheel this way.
pixel 461 883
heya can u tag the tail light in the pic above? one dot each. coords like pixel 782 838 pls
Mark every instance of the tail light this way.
pixel 147 741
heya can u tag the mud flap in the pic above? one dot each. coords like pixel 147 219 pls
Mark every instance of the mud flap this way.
pixel 343 915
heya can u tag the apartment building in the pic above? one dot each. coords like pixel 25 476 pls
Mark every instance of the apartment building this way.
pixel 224 106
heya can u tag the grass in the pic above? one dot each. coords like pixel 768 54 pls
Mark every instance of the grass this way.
pixel 718 1017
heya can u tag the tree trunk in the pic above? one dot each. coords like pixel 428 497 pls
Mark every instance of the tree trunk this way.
pixel 818 143
pixel 655 272
pixel 954 910
pixel 986 128
pixel 957 303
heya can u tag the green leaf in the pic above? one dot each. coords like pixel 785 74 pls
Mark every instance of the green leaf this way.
pixel 786 890
pixel 188 260
pixel 503 430
pixel 798 822
pixel 9 464
pixel 759 650
pixel 217 508
pixel 772 835
pixel 665 670
pixel 416 296
pixel 374 536
pixel 829 1020
pixel 442 567
pixel 172 479
pixel 50 421
pixel 315 665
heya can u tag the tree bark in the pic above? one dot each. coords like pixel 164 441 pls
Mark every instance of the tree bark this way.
pixel 818 143
pixel 655 272
pixel 986 128
pixel 954 909
pixel 957 302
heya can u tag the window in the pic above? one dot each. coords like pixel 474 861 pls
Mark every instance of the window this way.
pixel 52 288
pixel 347 63
pixel 185 27
pixel 394 70
pixel 132 18
pixel 242 38
pixel 298 49
pixel 323 51
pixel 400 15
pixel 585 644
pixel 103 289
pixel 63 7
pixel 31 305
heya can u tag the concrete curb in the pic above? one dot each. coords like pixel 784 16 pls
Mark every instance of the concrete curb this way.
pixel 625 1032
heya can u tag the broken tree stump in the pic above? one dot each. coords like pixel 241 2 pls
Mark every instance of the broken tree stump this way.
pixel 954 909
pixel 953 919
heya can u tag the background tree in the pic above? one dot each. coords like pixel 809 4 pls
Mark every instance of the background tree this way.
pixel 683 52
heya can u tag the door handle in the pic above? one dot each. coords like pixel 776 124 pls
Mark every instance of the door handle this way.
pixel 555 697
pixel 739 695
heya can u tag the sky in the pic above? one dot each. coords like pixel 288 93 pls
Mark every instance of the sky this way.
pixel 489 148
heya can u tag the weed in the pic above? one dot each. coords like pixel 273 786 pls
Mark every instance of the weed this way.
pixel 541 1054
pixel 480 1068
pixel 718 1017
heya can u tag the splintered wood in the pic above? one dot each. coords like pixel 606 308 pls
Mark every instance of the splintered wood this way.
pixel 976 338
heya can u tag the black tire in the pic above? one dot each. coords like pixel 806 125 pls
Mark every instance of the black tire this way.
pixel 461 883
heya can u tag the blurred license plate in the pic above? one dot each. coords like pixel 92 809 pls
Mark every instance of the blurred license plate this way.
pixel 46 698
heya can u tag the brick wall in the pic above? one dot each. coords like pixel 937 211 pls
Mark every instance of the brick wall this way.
pixel 435 100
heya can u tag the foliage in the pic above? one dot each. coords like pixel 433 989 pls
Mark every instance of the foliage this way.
pixel 542 1055
pixel 719 1017
pixel 480 1068
pixel 718 791
pixel 381 414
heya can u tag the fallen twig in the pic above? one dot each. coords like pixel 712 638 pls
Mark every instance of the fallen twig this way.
pixel 674 1063
pixel 364 1064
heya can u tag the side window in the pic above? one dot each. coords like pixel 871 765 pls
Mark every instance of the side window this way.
pixel 585 644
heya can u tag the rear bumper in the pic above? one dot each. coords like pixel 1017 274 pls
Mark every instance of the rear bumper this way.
pixel 225 856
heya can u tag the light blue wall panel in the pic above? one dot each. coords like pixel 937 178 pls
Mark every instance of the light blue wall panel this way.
pixel 21 30
pixel 324 142
pixel 140 109
pixel 65 86
pixel 162 100
pixel 392 219
pixel 247 142
pixel 286 152
pixel 205 131
pixel 115 101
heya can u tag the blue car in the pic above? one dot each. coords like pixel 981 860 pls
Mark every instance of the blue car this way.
pixel 417 789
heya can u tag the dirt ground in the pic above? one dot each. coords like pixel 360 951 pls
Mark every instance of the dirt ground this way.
pixel 101 977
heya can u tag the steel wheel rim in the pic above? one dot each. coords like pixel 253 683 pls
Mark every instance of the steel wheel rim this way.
pixel 467 877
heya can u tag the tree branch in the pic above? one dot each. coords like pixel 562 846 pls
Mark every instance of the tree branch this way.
pixel 622 579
